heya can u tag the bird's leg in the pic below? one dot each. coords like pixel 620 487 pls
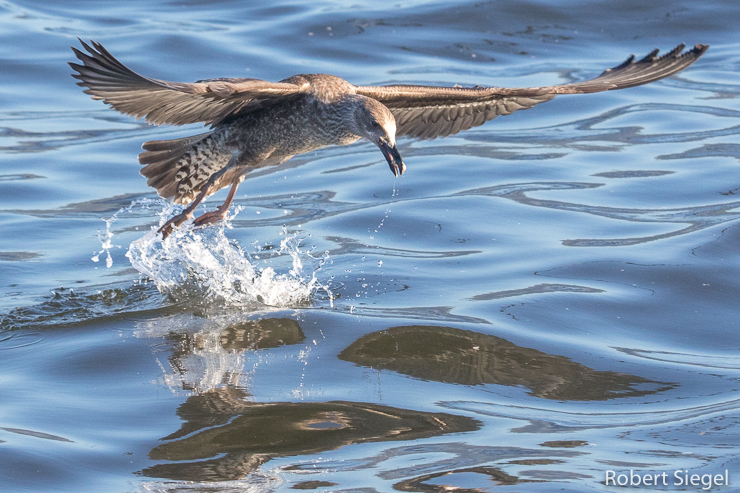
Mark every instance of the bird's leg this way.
pixel 180 218
pixel 177 220
pixel 220 212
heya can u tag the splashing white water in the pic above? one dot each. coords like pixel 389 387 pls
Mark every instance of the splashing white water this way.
pixel 105 240
pixel 206 261
pixel 106 237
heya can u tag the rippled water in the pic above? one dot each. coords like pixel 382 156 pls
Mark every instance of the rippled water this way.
pixel 536 301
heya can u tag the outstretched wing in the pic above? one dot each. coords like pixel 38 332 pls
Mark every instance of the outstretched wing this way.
pixel 175 103
pixel 430 112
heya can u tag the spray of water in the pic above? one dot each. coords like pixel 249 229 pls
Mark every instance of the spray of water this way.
pixel 205 261
pixel 105 240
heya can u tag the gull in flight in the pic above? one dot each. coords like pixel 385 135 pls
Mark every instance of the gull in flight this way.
pixel 255 123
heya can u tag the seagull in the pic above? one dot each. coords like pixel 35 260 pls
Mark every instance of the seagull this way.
pixel 255 123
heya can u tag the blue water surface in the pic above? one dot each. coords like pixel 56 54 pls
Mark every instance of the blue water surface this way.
pixel 536 301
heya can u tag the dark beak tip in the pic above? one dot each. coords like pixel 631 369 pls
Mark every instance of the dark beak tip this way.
pixel 395 163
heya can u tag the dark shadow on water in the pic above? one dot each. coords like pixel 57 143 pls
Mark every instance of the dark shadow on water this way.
pixel 450 355
pixel 262 334
pixel 237 436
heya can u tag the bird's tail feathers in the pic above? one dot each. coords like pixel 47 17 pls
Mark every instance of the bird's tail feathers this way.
pixel 168 163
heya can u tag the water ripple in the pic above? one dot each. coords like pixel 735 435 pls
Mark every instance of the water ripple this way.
pixel 350 246
pixel 706 150
pixel 573 134
pixel 18 256
pixel 429 313
pixel 37 434
pixel 697 217
pixel 432 458
pixel 554 420
pixel 19 140
pixel 719 361
pixel 536 289
pixel 16 340
pixel 17 177
pixel 719 90
pixel 67 308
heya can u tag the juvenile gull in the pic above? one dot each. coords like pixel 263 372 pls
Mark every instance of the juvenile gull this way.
pixel 255 123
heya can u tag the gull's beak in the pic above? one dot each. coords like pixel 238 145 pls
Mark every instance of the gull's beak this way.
pixel 393 157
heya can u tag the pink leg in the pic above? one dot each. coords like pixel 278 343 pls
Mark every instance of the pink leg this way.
pixel 220 212
pixel 166 230
pixel 177 220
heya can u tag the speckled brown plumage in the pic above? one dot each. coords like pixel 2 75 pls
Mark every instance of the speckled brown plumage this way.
pixel 255 123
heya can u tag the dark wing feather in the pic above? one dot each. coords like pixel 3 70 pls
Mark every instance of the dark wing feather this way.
pixel 430 112
pixel 430 122
pixel 175 103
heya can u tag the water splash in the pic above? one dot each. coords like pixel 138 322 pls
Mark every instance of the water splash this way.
pixel 106 238
pixel 205 261
pixel 105 242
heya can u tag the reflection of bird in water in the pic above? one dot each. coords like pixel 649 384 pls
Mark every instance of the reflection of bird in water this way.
pixel 224 438
pixel 255 123
pixel 452 355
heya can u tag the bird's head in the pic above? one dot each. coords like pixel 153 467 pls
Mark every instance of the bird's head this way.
pixel 375 122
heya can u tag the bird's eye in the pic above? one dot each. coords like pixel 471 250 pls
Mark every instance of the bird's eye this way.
pixel 375 123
